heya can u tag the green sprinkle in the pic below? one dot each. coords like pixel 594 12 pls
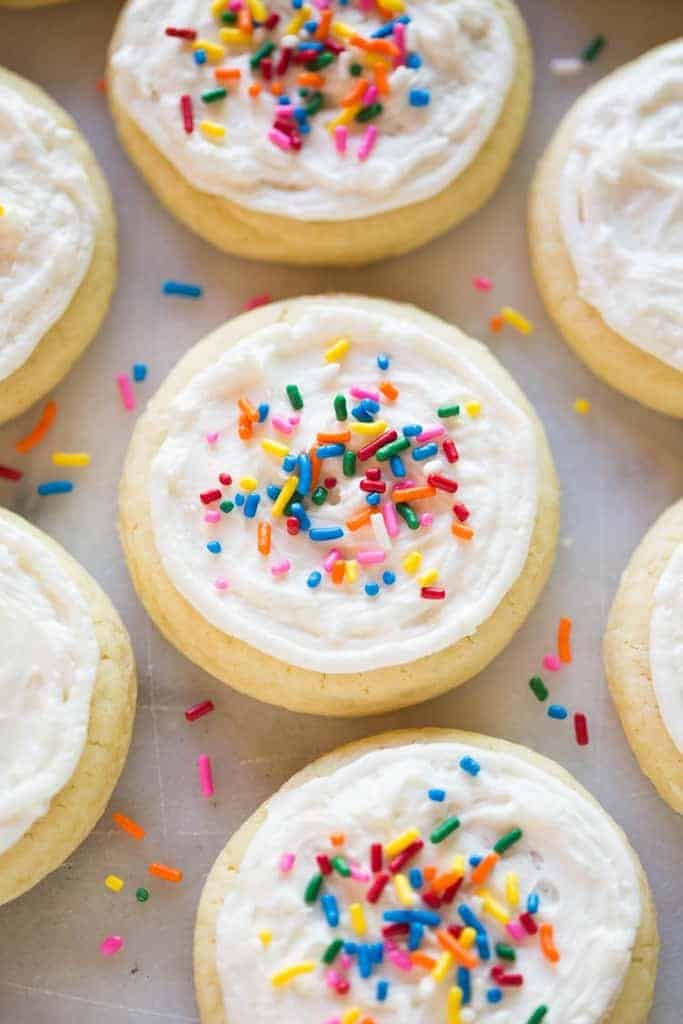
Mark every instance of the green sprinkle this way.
pixel 313 888
pixel 332 951
pixel 320 62
pixel 141 895
pixel 264 50
pixel 367 113
pixel 355 69
pixel 538 1015
pixel 443 830
pixel 445 411
pixel 538 688
pixel 294 395
pixel 303 91
pixel 592 50
pixel 341 867
pixel 229 17
pixel 315 104
pixel 340 410
pixel 319 496
pixel 214 94
pixel 349 463
pixel 508 840
pixel 393 448
pixel 505 952
pixel 226 506
pixel 406 513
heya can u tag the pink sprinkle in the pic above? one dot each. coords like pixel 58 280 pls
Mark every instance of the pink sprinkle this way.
pixel 515 929
pixel 400 959
pixel 281 568
pixel 368 141
pixel 400 40
pixel 294 420
pixel 341 137
pixel 126 391
pixel 430 434
pixel 258 300
pixel 212 516
pixel 332 978
pixel 332 1020
pixel 205 775
pixel 287 861
pixel 282 425
pixel 482 284
pixel 235 5
pixel 552 663
pixel 279 138
pixel 212 438
pixel 427 519
pixel 370 95
pixel 346 960
pixel 111 945
pixel 371 557
pixel 390 519
pixel 221 583
pixel 365 393
pixel 358 874
pixel 402 484
pixel 332 557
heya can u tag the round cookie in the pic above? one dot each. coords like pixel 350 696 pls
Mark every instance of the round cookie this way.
pixel 605 224
pixel 317 599
pixel 642 649
pixel 388 790
pixel 68 710
pixel 432 164
pixel 57 244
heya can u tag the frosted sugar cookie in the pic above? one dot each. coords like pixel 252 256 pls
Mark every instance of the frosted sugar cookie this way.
pixel 327 133
pixel 606 223
pixel 339 505
pixel 57 244
pixel 424 878
pixel 67 686
pixel 644 654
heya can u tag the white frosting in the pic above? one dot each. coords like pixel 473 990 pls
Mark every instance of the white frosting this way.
pixel 47 229
pixel 339 628
pixel 666 646
pixel 570 854
pixel 48 663
pixel 468 65
pixel 621 202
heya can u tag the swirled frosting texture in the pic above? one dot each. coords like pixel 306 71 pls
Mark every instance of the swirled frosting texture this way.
pixel 48 664
pixel 621 202
pixel 570 854
pixel 47 229
pixel 468 64
pixel 666 646
pixel 340 628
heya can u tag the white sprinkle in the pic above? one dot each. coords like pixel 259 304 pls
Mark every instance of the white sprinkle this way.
pixel 565 66
pixel 380 531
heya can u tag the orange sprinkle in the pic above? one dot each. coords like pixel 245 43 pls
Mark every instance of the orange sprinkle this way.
pixel 413 493
pixel 548 943
pixel 368 1020
pixel 312 79
pixel 496 323
pixel 248 409
pixel 244 428
pixel 360 519
pixel 323 29
pixel 337 838
pixel 338 571
pixel 564 648
pixel 244 22
pixel 388 389
pixel 102 85
pixel 227 74
pixel 462 955
pixel 381 80
pixel 484 868
pixel 355 95
pixel 40 430
pixel 429 873
pixel 163 871
pixel 384 46
pixel 446 880
pixel 463 532
pixel 341 438
pixel 129 826
pixel 316 466
pixel 277 88
pixel 263 536
pixel 254 89
pixel 422 960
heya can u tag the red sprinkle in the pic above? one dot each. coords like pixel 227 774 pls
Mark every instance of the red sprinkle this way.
pixel 198 710
pixel 433 593
pixel 374 473
pixel 376 857
pixel 442 483
pixel 377 887
pixel 405 855
pixel 462 512
pixel 449 894
pixel 266 69
pixel 399 928
pixel 450 451
pixel 7 473
pixel 581 729
pixel 528 923
pixel 208 496
pixel 225 479
pixel 258 300
pixel 432 900
pixel 324 863
pixel 182 33
pixel 369 449
pixel 330 482
pixel 187 112
pixel 293 526
pixel 373 486
pixel 285 58
pixel 456 930
pixel 513 980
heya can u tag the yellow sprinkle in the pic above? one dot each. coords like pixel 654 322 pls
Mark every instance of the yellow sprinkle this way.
pixel 392 6
pixel 248 483
pixel 218 6
pixel 468 936
pixel 493 907
pixel 258 10
pixel 212 130
pixel 2 210
pixel 282 500
pixel 357 919
pixel 412 561
pixel 350 571
pixel 275 447
pixel 213 51
pixel 337 351
pixel 370 429
pixel 114 883
pixel 429 577
pixel 400 842
pixel 287 974
pixel 340 28
pixel 454 1004
pixel 265 937
pixel 516 320
pixel 443 966
pixel 351 1016
pixel 512 888
pixel 298 20
pixel 406 896
pixel 458 864
pixel 234 37
pixel 346 117
pixel 70 459
pixel 473 408
pixel 582 406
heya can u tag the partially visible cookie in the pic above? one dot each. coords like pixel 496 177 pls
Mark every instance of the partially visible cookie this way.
pixel 67 692
pixel 57 244
pixel 643 651
pixel 605 228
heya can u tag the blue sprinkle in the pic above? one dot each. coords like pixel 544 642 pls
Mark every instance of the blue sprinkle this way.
pixel 310 44
pixel 370 405
pixel 251 505
pixel 469 765
pixel 389 577
pixel 272 490
pixel 214 546
pixel 297 509
pixel 377 952
pixel 330 451
pixel 364 960
pixel 437 795
pixel 304 126
pixel 55 487
pixel 483 946
pixel 297 4
pixel 412 430
pixel 311 25
pixel 475 860
pixel 330 908
pixel 305 473
pixel 419 97
pixel 427 917
pixel 494 995
pixel 414 60
pixel 533 902
pixel 190 291
pixel 388 27
pixel 323 533
pixel 383 361
pixel 351 948
pixel 470 919
pixel 373 499
pixel 397 466
pixel 372 589
pixel 284 101
pixel 415 878
pixel 557 711
pixel 361 414
pixel 289 462
pixel 263 411
pixel 239 500
pixel 200 57
pixel 313 580
pixel 139 372
pixel 465 984
pixel 415 936
pixel 424 451
pixel 382 990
